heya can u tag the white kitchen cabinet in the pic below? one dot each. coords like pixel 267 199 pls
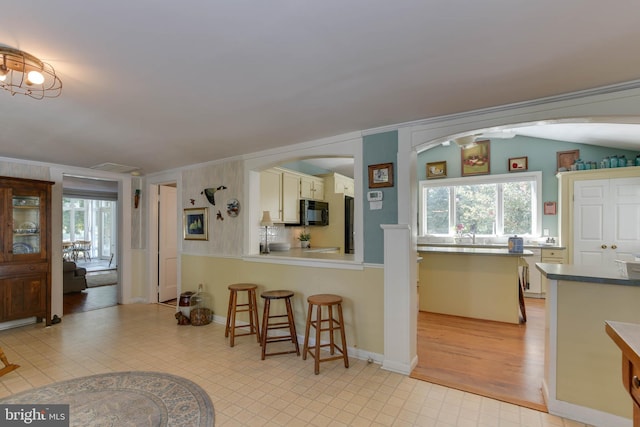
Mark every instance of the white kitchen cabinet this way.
pixel 600 214
pixel 311 187
pixel 339 184
pixel 547 255
pixel 279 194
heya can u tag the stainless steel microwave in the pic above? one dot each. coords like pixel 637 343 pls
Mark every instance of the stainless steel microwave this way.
pixel 313 212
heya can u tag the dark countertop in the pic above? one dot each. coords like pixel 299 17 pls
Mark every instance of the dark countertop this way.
pixel 585 273
pixel 474 250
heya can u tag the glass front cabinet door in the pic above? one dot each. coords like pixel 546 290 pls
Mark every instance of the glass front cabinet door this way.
pixel 25 258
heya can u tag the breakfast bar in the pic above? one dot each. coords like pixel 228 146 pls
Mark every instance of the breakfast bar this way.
pixel 476 282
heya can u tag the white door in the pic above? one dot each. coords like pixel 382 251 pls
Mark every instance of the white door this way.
pixel 606 220
pixel 167 245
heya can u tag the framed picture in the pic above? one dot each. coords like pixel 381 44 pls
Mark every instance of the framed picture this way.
pixel 437 170
pixel 196 223
pixel 381 175
pixel 476 160
pixel 549 208
pixel 517 164
pixel 566 159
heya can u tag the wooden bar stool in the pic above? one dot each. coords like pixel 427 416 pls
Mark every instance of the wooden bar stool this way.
pixel 329 301
pixel 251 307
pixel 289 324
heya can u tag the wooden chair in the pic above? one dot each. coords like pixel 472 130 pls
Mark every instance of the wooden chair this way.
pixel 82 247
pixel 67 251
pixel 8 367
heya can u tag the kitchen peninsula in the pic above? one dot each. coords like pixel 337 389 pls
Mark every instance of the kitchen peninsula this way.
pixel 583 364
pixel 476 282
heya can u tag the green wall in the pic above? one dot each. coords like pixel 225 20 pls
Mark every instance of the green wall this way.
pixel 541 154
pixel 379 148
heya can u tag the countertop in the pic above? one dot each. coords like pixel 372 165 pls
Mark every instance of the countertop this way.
pixel 585 273
pixel 475 250
pixel 311 253
pixel 489 245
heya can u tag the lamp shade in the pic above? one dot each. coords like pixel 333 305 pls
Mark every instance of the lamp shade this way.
pixel 266 219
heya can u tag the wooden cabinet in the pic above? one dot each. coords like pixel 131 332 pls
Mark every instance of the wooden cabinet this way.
pixel 279 194
pixel 311 187
pixel 627 338
pixel 25 249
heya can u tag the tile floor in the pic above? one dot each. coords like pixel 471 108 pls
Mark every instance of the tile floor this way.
pixel 246 391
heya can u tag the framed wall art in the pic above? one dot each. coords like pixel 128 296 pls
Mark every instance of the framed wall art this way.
pixel 476 160
pixel 566 159
pixel 517 164
pixel 437 170
pixel 196 223
pixel 381 175
pixel 550 208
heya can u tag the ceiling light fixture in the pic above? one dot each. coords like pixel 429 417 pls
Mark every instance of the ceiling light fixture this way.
pixel 25 74
pixel 466 141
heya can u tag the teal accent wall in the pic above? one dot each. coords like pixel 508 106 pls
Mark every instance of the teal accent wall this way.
pixel 541 154
pixel 304 167
pixel 379 148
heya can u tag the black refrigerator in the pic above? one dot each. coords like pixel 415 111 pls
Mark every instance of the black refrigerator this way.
pixel 348 225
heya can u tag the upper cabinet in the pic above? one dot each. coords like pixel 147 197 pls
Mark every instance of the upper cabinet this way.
pixel 25 249
pixel 311 187
pixel 279 194
pixel 339 184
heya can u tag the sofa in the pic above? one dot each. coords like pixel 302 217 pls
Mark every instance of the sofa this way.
pixel 73 277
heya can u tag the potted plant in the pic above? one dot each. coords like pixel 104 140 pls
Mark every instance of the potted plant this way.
pixel 305 239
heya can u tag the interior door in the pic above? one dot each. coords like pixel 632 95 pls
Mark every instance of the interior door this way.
pixel 606 220
pixel 167 244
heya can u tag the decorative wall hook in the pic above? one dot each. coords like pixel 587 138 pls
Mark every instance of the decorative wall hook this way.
pixel 210 193
pixel 219 216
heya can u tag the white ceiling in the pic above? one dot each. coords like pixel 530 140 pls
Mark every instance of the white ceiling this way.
pixel 161 84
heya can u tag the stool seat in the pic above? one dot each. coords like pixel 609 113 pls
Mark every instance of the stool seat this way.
pixel 267 325
pixel 276 294
pixel 332 325
pixel 250 307
pixel 324 299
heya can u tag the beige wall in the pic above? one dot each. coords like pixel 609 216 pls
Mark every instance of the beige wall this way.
pixel 589 371
pixel 362 291
pixel 225 236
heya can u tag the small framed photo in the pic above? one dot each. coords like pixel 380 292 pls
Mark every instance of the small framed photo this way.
pixel 476 159
pixel 517 164
pixel 381 175
pixel 437 170
pixel 549 208
pixel 196 223
pixel 566 159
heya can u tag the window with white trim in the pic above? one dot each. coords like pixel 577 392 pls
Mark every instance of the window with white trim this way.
pixel 492 205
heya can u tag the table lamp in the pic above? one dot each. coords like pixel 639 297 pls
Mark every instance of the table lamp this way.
pixel 266 223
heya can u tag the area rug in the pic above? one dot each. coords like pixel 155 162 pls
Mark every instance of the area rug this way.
pixel 102 278
pixel 126 399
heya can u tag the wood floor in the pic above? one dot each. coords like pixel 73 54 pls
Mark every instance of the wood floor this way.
pixel 499 360
pixel 90 299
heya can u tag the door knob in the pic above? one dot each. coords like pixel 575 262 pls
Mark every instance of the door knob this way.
pixel 614 247
pixel 604 246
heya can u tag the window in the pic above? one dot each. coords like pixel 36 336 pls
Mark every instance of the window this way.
pixel 494 205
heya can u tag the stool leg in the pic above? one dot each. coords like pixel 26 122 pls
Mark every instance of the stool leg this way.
pixel 344 340
pixel 265 323
pixel 233 319
pixel 226 330
pixel 253 311
pixel 316 364
pixel 332 344
pixel 305 349
pixel 292 326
